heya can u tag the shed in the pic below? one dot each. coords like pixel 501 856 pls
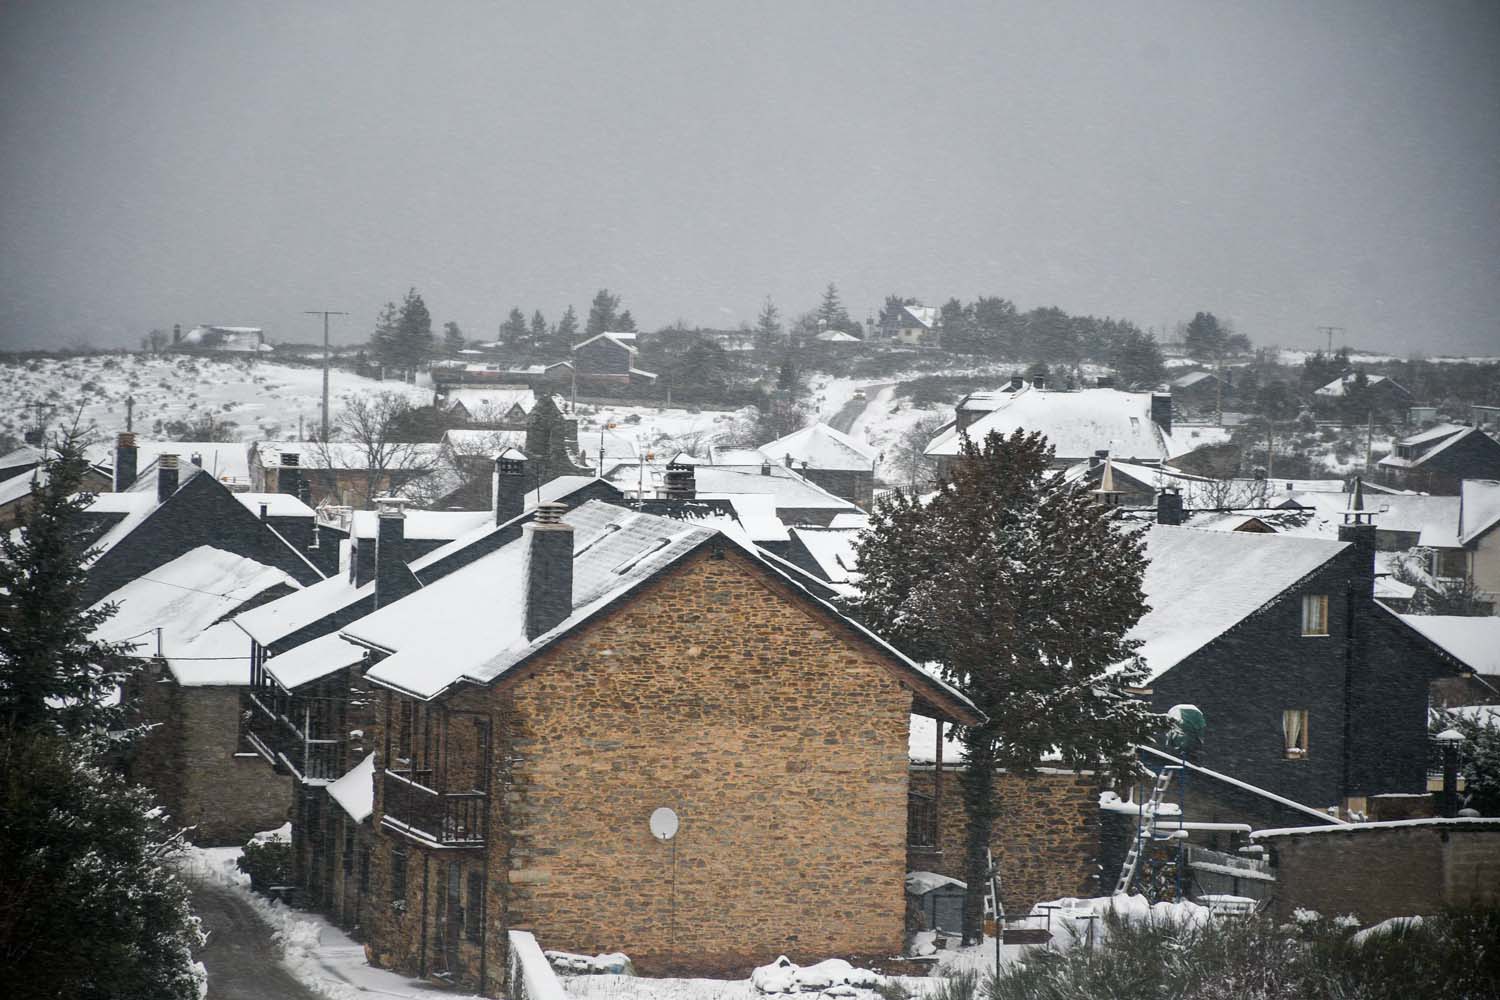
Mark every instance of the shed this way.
pixel 940 898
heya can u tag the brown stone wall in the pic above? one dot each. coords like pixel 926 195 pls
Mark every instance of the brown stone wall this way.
pixel 1380 872
pixel 1046 842
pixel 779 739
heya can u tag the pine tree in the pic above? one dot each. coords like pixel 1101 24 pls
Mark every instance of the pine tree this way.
pixel 831 312
pixel 52 672
pixel 513 331
pixel 453 338
pixel 383 339
pixel 768 330
pixel 567 328
pixel 413 332
pixel 1204 337
pixel 1024 595
pixel 538 330
pixel 603 313
pixel 625 323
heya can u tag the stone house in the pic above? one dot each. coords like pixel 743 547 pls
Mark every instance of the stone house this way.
pixel 607 359
pixel 830 458
pixel 1380 393
pixel 191 691
pixel 914 324
pixel 608 664
pixel 1313 690
pixel 340 472
pixel 20 468
pixel 1439 459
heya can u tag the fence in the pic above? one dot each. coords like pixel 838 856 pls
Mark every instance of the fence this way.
pixel 528 974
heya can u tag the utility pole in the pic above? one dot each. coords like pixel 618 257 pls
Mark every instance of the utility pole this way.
pixel 325 313
pixel 1330 331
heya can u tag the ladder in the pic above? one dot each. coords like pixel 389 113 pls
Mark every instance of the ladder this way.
pixel 1145 831
pixel 992 908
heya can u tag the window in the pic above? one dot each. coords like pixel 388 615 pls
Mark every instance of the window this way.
pixel 1314 614
pixel 398 873
pixel 364 870
pixel 1294 733
pixel 475 911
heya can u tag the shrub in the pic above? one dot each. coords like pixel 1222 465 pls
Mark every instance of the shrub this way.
pixel 267 862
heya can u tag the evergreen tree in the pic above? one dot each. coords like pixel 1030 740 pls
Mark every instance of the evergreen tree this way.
pixel 768 330
pixel 1135 356
pixel 538 329
pixel 383 338
pixel 567 330
pixel 1024 596
pixel 1205 338
pixel 52 672
pixel 603 313
pixel 625 323
pixel 831 312
pixel 453 338
pixel 413 332
pixel 513 331
pixel 788 382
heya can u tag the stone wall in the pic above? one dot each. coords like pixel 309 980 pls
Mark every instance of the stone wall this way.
pixel 1377 870
pixel 1046 842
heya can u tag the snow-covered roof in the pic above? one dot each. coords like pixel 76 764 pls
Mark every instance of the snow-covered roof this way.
pixel 135 506
pixel 1390 824
pixel 1191 379
pixel 1427 516
pixel 734 456
pixel 443 525
pixel 491 399
pixel 342 454
pixel 478 610
pixel 822 447
pixel 1076 424
pixel 1474 642
pixel 18 486
pixel 23 457
pixel 1454 436
pixel 837 337
pixel 791 490
pixel 277 504
pixel 280 618
pixel 1200 584
pixel 355 791
pixel 184 598
pixel 1486 715
pixel 926 316
pixel 833 550
pixel 488 443
pixel 1317 814
pixel 756 513
pixel 1479 508
pixel 625 340
pixel 226 461
pixel 856 519
pixel 313 659
pixel 1342 385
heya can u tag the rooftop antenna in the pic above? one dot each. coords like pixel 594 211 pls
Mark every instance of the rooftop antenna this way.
pixel 325 313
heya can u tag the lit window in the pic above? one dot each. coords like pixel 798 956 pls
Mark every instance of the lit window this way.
pixel 1314 614
pixel 1294 732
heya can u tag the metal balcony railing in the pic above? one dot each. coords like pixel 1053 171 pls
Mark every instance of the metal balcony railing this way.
pixel 454 819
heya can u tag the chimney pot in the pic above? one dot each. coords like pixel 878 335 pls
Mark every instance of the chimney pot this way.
pixel 1169 506
pixel 681 483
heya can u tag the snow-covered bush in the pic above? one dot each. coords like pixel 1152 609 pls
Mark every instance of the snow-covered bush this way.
pixel 267 862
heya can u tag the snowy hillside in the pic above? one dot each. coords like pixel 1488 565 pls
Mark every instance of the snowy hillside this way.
pixel 263 400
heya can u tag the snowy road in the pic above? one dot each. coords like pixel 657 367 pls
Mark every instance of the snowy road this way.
pixel 242 961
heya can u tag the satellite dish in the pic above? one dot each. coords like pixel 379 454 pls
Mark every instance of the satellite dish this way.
pixel 663 824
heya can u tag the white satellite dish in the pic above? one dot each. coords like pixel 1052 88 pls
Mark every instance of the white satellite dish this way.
pixel 663 824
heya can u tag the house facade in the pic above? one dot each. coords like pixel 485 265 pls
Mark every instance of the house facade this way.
pixel 915 325
pixel 1439 459
pixel 609 359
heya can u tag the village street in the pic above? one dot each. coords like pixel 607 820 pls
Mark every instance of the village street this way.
pixel 241 959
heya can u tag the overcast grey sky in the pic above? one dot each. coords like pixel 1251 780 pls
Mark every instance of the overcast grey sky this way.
pixel 1284 165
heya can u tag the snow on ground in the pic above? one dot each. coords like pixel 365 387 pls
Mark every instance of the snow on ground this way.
pixel 320 955
pixel 690 430
pixel 263 399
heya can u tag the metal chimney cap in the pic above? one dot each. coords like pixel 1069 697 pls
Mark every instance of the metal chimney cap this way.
pixel 550 513
pixel 390 506
pixel 125 440
pixel 167 460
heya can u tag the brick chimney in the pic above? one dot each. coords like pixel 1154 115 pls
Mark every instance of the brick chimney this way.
pixel 508 485
pixel 1358 530
pixel 681 484
pixel 390 538
pixel 125 462
pixel 548 570
pixel 1039 381
pixel 1161 410
pixel 1017 381
pixel 166 477
pixel 1169 506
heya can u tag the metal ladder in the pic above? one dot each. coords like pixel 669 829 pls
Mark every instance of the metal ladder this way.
pixel 992 908
pixel 1145 831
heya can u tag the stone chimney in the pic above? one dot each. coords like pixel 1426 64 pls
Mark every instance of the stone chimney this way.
pixel 289 480
pixel 681 483
pixel 1017 382
pixel 1100 454
pixel 1358 530
pixel 1161 410
pixel 176 333
pixel 548 570
pixel 166 477
pixel 508 485
pixel 1039 381
pixel 1169 506
pixel 390 539
pixel 125 462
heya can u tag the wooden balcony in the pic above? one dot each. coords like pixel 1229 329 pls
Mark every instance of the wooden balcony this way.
pixel 442 818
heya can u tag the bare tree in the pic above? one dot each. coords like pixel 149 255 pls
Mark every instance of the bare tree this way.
pixel 909 457
pixel 369 456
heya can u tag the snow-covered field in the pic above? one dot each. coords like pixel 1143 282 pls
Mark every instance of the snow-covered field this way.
pixel 265 400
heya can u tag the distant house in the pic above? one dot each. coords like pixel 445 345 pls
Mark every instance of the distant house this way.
pixel 1473 643
pixel 837 337
pixel 221 340
pixel 609 358
pixel 192 690
pixel 1312 689
pixel 1465 544
pixel 1132 426
pixel 1438 459
pixel 170 510
pixel 554 377
pixel 21 468
pixel 794 498
pixel 500 407
pixel 830 458
pixel 1380 392
pixel 341 472
pixel 915 325
pixel 1200 391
